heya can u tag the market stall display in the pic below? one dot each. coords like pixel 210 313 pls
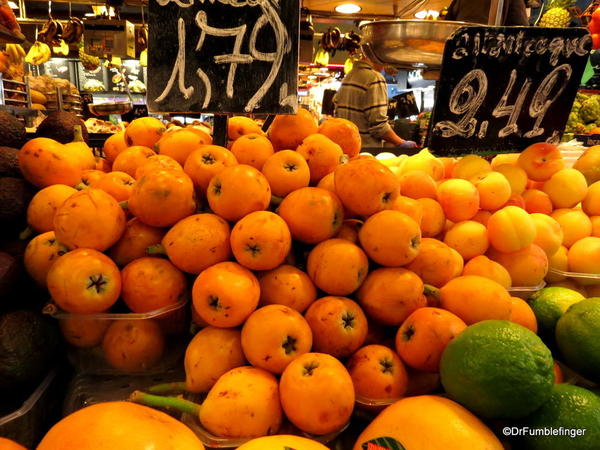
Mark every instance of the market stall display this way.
pixel 286 288
pixel 326 275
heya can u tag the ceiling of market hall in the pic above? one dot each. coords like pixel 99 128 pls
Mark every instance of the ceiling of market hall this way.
pixel 372 7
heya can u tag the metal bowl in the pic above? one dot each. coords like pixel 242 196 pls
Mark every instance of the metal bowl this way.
pixel 105 109
pixel 407 44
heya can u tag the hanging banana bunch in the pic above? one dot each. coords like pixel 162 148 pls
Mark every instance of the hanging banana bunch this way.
pixel 61 48
pixel 144 58
pixel 89 62
pixel 39 53
pixel 73 30
pixel 15 53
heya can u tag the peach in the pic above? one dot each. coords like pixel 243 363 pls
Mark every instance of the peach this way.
pixel 537 201
pixel 449 164
pixel 591 202
pixel 566 188
pixel 459 199
pixel 468 238
pixel 505 158
pixel 411 207
pixel 469 166
pixel 436 263
pixel 516 200
pixel 484 267
pixel 558 261
pixel 574 223
pixel 425 162
pixel 482 217
pixel 433 220
pixel 522 314
pixel 549 234
pixel 418 184
pixel 527 267
pixel 516 176
pixel 589 164
pixel 494 190
pixel 595 225
pixel 584 257
pixel 540 161
pixel 510 229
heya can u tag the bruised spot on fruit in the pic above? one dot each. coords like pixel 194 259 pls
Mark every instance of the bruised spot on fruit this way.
pixel 290 167
pixel 309 368
pixel 97 282
pixel 254 249
pixel 362 273
pixel 408 333
pixel 217 187
pixel 348 320
pixel 387 366
pixel 289 345
pixel 209 159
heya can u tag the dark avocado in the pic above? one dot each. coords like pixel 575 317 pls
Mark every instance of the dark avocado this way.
pixel 15 195
pixel 9 162
pixel 12 131
pixel 28 348
pixel 59 126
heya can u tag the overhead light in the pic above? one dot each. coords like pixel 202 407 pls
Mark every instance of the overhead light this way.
pixel 348 8
pixel 421 14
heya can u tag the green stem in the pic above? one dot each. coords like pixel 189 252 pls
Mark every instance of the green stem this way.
pixel 124 204
pixel 81 186
pixel 26 234
pixel 275 200
pixel 156 249
pixel 165 388
pixel 433 295
pixel 158 401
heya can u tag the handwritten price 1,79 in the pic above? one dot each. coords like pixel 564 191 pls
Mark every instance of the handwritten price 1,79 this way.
pixel 470 93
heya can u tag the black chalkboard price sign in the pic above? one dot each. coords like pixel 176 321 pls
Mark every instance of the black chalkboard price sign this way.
pixel 223 56
pixel 504 88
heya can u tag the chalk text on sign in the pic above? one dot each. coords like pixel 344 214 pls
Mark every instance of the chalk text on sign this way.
pixel 269 18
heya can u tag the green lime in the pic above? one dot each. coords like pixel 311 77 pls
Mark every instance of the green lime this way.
pixel 572 417
pixel 498 370
pixel 578 338
pixel 549 304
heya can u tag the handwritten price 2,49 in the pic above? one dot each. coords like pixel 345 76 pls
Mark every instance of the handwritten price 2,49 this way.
pixel 470 93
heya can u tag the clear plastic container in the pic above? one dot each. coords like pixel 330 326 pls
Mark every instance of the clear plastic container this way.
pixel 86 389
pixel 525 292
pixel 375 405
pixel 212 441
pixel 584 279
pixel 28 424
pixel 125 343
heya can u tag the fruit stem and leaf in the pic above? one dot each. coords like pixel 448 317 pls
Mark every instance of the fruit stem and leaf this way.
pixel 432 294
pixel 156 249
pixel 159 401
pixel 168 388
pixel 81 186
pixel 124 205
